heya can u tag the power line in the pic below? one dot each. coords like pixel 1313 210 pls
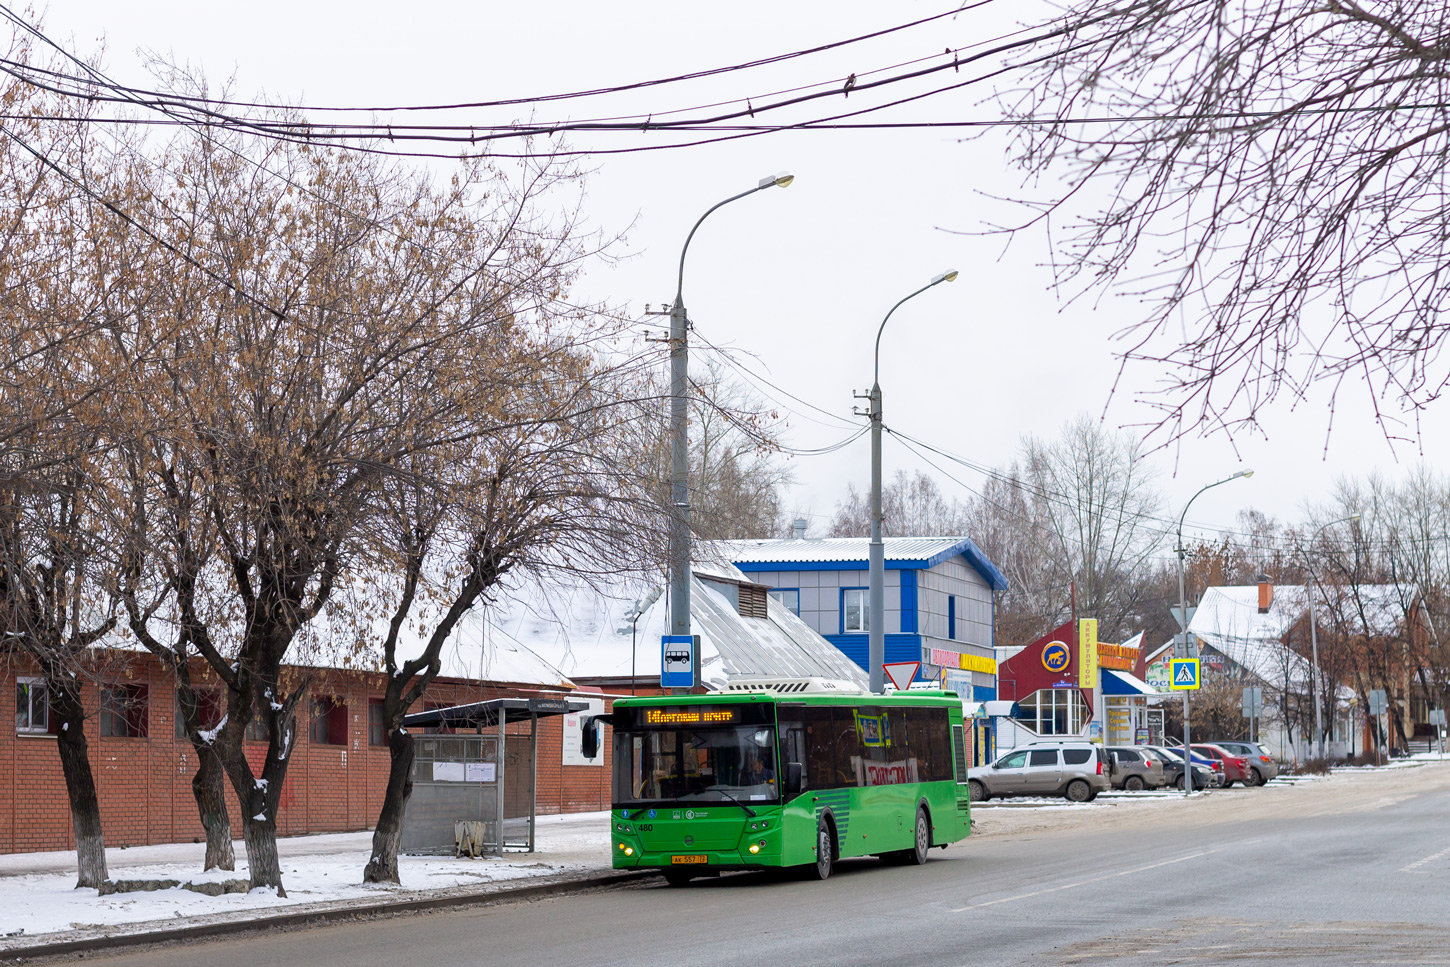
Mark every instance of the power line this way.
pixel 210 104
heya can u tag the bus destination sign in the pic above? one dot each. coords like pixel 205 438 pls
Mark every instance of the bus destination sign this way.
pixel 691 716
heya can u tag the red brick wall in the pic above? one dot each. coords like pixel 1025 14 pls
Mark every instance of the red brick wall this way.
pixel 144 784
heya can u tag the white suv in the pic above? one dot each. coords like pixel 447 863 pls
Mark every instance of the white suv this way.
pixel 1075 769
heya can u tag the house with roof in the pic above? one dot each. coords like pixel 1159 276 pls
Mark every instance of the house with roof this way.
pixel 940 599
pixel 610 638
pixel 1271 648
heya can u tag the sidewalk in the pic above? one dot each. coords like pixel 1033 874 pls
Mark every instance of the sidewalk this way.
pixel 40 905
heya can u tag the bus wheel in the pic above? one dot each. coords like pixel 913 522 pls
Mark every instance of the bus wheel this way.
pixel 676 878
pixel 825 850
pixel 922 846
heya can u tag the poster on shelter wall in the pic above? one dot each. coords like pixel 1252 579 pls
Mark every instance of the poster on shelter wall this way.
pixel 449 772
pixel 573 754
pixel 481 771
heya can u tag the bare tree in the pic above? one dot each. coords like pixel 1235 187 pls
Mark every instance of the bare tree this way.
pixel 60 255
pixel 1267 178
pixel 1074 517
pixel 911 506
pixel 342 320
pixel 736 474
pixel 549 494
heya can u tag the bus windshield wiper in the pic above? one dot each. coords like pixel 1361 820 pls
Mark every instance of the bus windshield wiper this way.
pixel 748 811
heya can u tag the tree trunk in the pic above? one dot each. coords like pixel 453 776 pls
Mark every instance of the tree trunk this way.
pixel 263 867
pixel 383 864
pixel 80 783
pixel 208 786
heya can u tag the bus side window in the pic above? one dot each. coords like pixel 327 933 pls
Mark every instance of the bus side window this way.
pixel 820 748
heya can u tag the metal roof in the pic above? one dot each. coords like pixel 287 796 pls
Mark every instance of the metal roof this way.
pixel 486 714
pixel 780 646
pixel 902 553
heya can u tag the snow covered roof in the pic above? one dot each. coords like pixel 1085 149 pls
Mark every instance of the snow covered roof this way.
pixel 593 634
pixel 1228 621
pixel 903 552
pixel 472 654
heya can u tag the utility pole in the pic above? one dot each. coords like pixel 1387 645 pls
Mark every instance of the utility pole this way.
pixel 680 440
pixel 876 565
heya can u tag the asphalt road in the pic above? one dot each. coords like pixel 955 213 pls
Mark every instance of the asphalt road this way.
pixel 1331 873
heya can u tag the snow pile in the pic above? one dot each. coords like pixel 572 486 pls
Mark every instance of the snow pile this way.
pixel 38 895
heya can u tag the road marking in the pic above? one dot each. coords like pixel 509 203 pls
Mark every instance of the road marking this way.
pixel 1423 861
pixel 1095 879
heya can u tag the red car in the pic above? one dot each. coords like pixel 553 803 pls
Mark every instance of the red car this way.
pixel 1235 767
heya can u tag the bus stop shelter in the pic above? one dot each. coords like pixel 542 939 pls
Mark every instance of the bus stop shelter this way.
pixel 476 784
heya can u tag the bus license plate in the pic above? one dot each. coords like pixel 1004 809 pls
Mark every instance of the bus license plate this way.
pixel 688 859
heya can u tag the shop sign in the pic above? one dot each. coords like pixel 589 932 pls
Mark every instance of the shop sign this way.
pixel 1087 654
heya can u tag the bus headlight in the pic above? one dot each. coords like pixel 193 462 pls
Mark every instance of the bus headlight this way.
pixel 629 851
pixel 755 847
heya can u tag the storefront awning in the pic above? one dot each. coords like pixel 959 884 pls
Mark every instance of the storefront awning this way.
pixel 1118 683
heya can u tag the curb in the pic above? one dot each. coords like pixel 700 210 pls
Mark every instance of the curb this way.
pixel 315 917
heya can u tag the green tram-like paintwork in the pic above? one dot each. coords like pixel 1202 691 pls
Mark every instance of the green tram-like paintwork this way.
pixel 868 820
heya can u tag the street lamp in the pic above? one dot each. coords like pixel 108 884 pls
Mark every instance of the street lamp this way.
pixel 876 620
pixel 1183 623
pixel 679 441
pixel 1314 675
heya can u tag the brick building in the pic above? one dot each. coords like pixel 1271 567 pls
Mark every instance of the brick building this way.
pixel 143 766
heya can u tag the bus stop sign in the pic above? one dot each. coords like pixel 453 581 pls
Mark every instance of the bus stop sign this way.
pixel 677 660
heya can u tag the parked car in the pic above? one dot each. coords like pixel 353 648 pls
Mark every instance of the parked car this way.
pixel 1135 768
pixel 1075 769
pixel 1262 766
pixel 1235 767
pixel 1205 776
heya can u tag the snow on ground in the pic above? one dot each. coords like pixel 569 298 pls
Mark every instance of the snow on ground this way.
pixel 38 895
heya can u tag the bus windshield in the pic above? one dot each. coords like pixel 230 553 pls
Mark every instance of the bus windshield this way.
pixel 696 765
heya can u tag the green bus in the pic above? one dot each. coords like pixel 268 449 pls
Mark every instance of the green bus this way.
pixel 758 779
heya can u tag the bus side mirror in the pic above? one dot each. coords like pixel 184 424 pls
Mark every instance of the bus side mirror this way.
pixel 793 778
pixel 589 736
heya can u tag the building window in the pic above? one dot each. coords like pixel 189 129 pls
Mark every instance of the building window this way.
pixel 32 706
pixel 1053 711
pixel 123 711
pixel 790 597
pixel 257 730
pixel 952 617
pixel 377 725
pixel 855 613
pixel 329 721
pixel 209 710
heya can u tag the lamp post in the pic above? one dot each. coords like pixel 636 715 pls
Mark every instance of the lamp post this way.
pixel 1183 622
pixel 876 620
pixel 679 440
pixel 1314 637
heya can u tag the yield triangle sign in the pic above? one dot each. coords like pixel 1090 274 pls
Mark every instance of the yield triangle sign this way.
pixel 901 673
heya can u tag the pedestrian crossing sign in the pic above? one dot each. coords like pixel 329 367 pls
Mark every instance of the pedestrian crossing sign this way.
pixel 1184 674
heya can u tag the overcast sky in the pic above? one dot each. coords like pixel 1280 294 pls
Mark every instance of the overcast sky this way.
pixel 800 277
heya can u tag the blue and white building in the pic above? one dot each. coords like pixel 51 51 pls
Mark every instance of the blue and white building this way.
pixel 940 599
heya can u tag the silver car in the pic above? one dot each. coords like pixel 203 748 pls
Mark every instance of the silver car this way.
pixel 1075 770
pixel 1135 767
pixel 1262 766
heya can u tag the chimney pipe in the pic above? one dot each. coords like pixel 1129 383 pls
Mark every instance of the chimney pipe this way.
pixel 799 527
pixel 1266 593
